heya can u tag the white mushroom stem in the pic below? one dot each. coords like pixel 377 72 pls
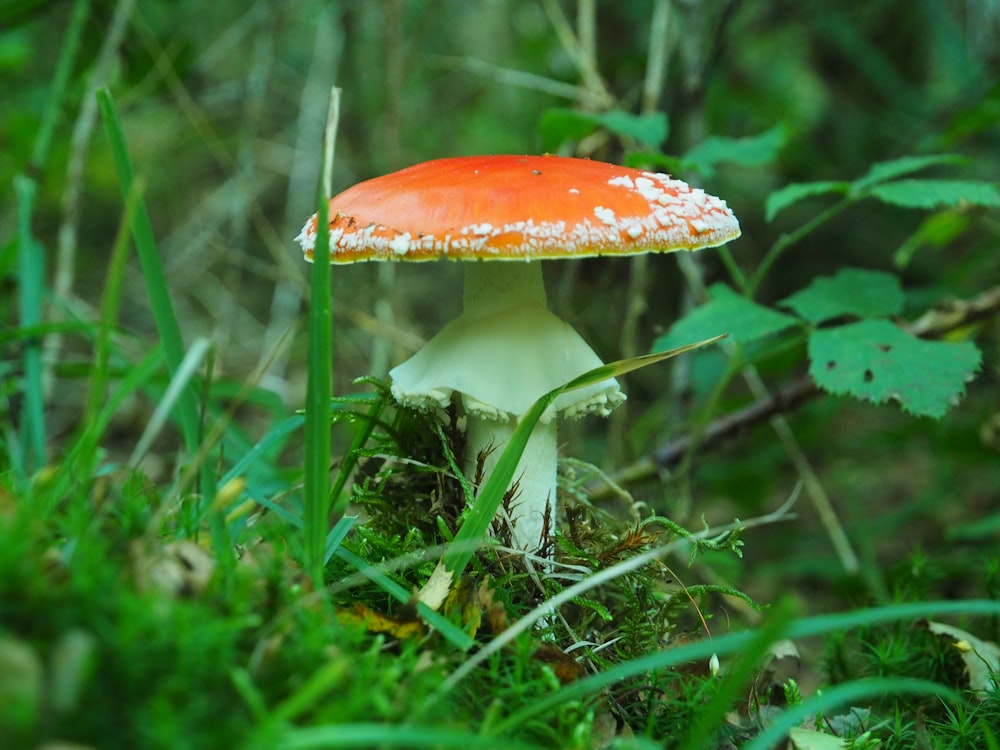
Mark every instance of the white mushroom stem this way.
pixel 500 355
pixel 535 476
pixel 499 288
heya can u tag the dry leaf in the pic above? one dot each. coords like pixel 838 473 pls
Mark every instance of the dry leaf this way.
pixel 564 666
pixel 468 605
pixel 982 658
pixel 178 569
pixel 374 622
pixel 435 591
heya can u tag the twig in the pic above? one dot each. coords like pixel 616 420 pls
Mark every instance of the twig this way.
pixel 586 66
pixel 521 79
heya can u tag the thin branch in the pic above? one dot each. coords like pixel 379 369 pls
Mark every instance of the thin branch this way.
pixel 933 324
pixel 585 65
pixel 521 79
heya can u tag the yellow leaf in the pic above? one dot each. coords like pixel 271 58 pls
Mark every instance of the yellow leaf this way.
pixel 436 589
pixel 374 622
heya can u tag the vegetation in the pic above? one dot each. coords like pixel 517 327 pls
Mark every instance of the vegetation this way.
pixel 787 538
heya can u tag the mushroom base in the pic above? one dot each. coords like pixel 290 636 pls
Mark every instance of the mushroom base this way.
pixel 533 507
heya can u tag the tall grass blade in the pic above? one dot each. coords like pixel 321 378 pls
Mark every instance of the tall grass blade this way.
pixel 179 384
pixel 31 282
pixel 152 270
pixel 110 306
pixel 318 392
pixel 275 436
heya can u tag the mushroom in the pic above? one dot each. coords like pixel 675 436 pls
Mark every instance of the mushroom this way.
pixel 506 349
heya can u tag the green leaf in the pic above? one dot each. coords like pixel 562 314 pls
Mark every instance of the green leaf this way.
pixel 753 151
pixel 781 199
pixel 852 291
pixel 936 231
pixel 725 312
pixel 560 125
pixel 878 361
pixel 890 170
pixel 929 194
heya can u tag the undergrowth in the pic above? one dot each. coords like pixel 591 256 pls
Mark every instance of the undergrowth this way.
pixel 185 563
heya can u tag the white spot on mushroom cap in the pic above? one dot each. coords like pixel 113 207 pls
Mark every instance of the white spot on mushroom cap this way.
pixel 480 230
pixel 606 215
pixel 400 245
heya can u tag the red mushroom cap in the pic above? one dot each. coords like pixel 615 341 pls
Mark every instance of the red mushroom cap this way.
pixel 519 207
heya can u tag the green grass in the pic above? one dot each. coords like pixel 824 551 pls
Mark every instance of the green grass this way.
pixel 190 559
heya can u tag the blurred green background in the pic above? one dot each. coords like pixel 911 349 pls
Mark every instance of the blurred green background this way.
pixel 224 106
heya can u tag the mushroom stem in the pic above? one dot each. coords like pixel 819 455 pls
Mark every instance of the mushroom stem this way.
pixel 491 287
pixel 506 350
pixel 490 290
pixel 534 477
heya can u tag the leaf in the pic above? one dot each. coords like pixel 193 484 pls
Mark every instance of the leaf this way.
pixel 890 170
pixel 559 125
pixel 467 606
pixel 929 194
pixel 753 151
pixel 936 231
pixel 852 291
pixel 877 361
pixel 376 622
pixel 781 199
pixel 810 739
pixel 982 658
pixel 435 591
pixel 726 312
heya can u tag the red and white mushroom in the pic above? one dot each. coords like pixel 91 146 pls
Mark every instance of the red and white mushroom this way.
pixel 506 348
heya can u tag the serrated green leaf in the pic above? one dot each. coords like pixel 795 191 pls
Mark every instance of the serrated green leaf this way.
pixel 781 199
pixel 753 151
pixel 851 291
pixel 725 312
pixel 559 125
pixel 890 170
pixel 877 361
pixel 929 194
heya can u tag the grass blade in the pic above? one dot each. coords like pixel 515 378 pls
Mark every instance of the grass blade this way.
pixel 386 736
pixel 110 305
pixel 318 393
pixel 31 281
pixel 152 270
